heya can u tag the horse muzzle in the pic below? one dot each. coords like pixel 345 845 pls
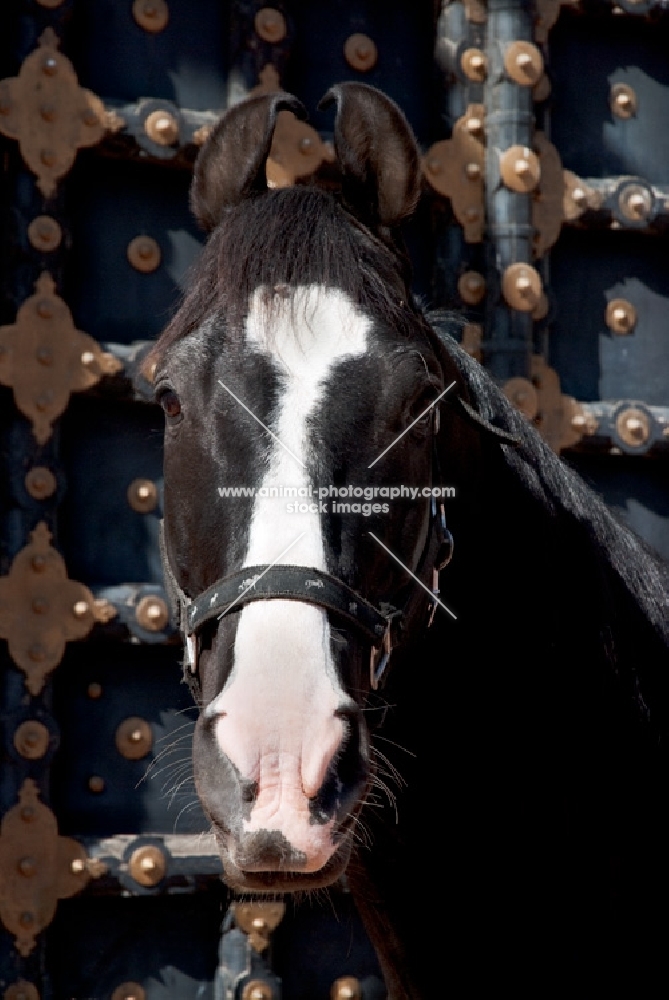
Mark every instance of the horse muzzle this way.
pixel 288 817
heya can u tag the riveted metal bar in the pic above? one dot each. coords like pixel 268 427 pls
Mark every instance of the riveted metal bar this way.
pixel 509 123
pixel 627 202
pixel 460 56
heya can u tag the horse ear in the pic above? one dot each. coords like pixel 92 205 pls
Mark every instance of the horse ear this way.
pixel 231 164
pixel 377 152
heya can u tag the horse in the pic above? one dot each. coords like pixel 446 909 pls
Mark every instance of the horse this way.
pixel 428 659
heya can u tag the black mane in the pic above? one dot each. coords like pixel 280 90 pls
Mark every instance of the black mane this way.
pixel 634 579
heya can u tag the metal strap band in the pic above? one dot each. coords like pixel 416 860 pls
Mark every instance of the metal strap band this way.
pixel 286 582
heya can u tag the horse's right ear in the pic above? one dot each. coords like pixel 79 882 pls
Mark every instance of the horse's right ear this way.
pixel 231 164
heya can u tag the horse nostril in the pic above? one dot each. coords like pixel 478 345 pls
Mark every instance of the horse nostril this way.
pixel 249 790
pixel 347 773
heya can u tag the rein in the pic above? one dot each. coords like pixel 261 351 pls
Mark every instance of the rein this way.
pixel 381 626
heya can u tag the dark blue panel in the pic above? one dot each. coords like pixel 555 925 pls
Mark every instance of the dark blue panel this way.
pixel 105 446
pixel 115 202
pixel 588 269
pixel 318 942
pixel 185 63
pixel 586 58
pixel 135 680
pixel 167 945
pixel 403 35
pixel 636 489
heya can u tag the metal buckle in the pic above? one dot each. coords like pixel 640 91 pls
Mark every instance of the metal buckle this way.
pixel 445 550
pixel 435 591
pixel 191 653
pixel 376 672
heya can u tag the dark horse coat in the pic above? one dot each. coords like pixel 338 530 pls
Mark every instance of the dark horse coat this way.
pixel 522 841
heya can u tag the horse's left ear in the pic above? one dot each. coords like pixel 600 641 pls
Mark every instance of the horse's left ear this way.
pixel 377 152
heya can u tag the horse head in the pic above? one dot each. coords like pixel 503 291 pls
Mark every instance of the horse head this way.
pixel 300 385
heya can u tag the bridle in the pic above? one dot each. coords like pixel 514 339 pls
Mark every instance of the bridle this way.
pixel 384 627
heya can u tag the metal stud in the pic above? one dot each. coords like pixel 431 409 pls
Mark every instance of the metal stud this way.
pixel 360 52
pixel 521 287
pixel 152 613
pixel 134 738
pixel 623 100
pixel 152 15
pixel 147 865
pixel 635 202
pixel 44 356
pixel 162 127
pixel 471 287
pixel 50 66
pixel 520 169
pixel 142 495
pixel 523 63
pixel 584 422
pixel 258 920
pixel 633 427
pixel 37 652
pixel 31 739
pixel 346 988
pixel 257 989
pixel 474 65
pixel 270 25
pixel 129 991
pixel 96 784
pixel 474 126
pixel 144 254
pixel 27 867
pixel 40 482
pixel 44 233
pixel 620 316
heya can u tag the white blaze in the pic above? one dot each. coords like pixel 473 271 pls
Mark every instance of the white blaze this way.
pixel 276 714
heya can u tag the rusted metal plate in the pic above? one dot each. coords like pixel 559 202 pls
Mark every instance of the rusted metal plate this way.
pixel 41 610
pixel 37 868
pixel 297 151
pixel 44 358
pixel 454 168
pixel 258 920
pixel 548 197
pixel 49 114
pixel 560 420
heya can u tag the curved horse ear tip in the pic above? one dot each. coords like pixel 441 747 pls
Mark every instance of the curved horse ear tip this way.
pixel 329 98
pixel 199 210
pixel 283 101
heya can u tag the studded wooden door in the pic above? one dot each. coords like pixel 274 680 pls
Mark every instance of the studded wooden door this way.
pixel 543 220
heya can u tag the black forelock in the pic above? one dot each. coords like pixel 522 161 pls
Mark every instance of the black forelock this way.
pixel 292 236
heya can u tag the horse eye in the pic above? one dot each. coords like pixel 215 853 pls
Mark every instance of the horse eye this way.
pixel 417 411
pixel 171 405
